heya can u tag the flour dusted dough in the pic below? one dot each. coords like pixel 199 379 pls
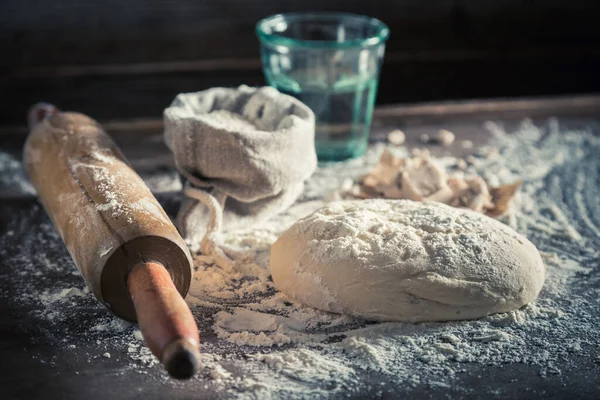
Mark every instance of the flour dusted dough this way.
pixel 407 261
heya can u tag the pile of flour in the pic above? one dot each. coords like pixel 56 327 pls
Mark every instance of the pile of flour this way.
pixel 257 340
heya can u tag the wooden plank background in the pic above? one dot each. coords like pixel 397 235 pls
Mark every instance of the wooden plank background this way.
pixel 127 59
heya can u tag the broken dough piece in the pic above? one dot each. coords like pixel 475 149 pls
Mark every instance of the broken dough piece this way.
pixel 396 137
pixel 471 193
pixel 418 178
pixel 445 137
pixel 399 260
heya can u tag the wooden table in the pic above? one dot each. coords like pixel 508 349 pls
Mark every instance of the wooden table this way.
pixel 36 364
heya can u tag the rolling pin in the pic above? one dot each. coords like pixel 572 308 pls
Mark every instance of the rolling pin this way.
pixel 128 251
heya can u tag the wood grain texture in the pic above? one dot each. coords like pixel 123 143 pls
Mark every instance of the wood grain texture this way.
pixel 147 94
pixel 106 216
pixel 166 321
pixel 88 32
pixel 133 57
pixel 42 366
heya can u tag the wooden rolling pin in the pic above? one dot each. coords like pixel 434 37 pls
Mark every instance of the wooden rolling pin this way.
pixel 120 238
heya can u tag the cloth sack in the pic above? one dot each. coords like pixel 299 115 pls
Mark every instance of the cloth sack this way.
pixel 244 153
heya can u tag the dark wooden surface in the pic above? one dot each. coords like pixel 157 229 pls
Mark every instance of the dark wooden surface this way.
pixel 117 59
pixel 84 32
pixel 36 365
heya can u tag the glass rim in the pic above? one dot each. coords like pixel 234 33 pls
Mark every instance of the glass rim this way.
pixel 381 35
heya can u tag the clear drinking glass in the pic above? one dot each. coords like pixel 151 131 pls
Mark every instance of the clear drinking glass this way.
pixel 330 62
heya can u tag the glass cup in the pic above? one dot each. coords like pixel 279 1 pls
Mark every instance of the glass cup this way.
pixel 330 62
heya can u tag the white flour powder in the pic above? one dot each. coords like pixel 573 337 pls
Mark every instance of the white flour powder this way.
pixel 265 344
pixel 13 179
pixel 252 314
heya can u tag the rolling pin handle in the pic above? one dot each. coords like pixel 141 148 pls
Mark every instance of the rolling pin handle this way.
pixel 166 322
pixel 181 359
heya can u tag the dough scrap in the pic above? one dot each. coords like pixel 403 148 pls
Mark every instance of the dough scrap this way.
pixel 399 260
pixel 420 178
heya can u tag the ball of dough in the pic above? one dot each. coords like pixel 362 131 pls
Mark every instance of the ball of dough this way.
pixel 399 260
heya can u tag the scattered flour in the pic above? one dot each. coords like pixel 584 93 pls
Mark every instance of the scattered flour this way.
pixel 432 353
pixel 257 343
pixel 13 178
pixel 162 181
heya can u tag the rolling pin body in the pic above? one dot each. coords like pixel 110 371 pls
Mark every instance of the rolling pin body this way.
pixel 105 214
pixel 120 238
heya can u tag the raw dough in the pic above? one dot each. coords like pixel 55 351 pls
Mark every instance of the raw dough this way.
pixel 421 178
pixel 407 261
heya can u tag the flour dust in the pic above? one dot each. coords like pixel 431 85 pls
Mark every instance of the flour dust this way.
pixel 257 343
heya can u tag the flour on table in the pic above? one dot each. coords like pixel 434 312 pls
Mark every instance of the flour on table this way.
pixel 63 295
pixel 432 353
pixel 13 178
pixel 258 343
pixel 162 181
